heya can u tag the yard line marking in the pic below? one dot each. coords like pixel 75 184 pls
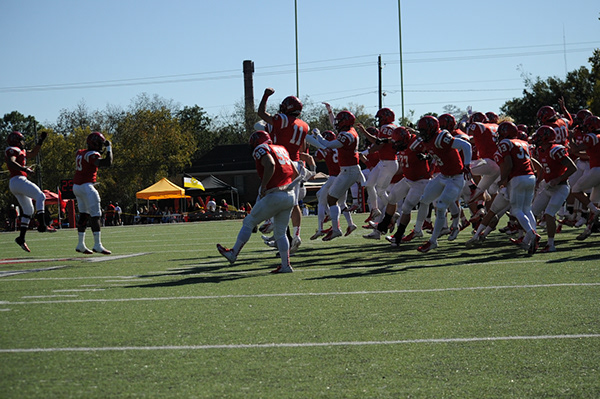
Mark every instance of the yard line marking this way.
pixel 84 259
pixel 299 344
pixel 301 294
pixel 16 272
pixel 48 296
pixel 80 290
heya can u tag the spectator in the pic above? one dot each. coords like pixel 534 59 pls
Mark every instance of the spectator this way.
pixel 211 205
pixel 117 216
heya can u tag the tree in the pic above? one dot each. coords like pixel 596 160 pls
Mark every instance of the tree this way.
pixel 579 89
pixel 196 121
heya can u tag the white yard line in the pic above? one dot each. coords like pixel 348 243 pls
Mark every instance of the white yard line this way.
pixel 299 344
pixel 303 294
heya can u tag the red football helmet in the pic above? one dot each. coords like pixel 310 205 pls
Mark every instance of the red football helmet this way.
pixel 16 139
pixel 344 120
pixel 291 106
pixel 544 135
pixel 523 132
pixel 95 141
pixel 478 117
pixel 329 135
pixel 427 127
pixel 492 117
pixel 401 138
pixel 259 137
pixel 546 114
pixel 447 122
pixel 507 130
pixel 385 116
pixel 582 115
pixel 591 124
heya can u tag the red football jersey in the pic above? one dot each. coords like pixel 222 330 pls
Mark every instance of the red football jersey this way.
pixel 387 151
pixel 85 166
pixel 21 159
pixel 484 138
pixel 284 169
pixel 414 168
pixel 551 161
pixel 447 158
pixel 330 156
pixel 290 133
pixel 561 130
pixel 592 148
pixel 518 151
pixel 348 152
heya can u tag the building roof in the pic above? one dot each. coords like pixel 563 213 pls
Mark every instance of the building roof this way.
pixel 224 158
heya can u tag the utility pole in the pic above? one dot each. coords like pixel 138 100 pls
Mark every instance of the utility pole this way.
pixel 379 68
pixel 248 67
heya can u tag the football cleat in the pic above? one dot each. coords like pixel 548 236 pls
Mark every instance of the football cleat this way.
pixel 332 234
pixel 281 269
pixel 428 226
pixel 21 242
pixel 453 233
pixel 46 229
pixel 353 208
pixel 412 235
pixel 101 250
pixel 464 223
pixel 227 253
pixel 295 244
pixel 392 241
pixel 428 246
pixel 580 222
pixel 517 241
pixel 374 235
pixel 350 229
pixel 477 239
pixel 548 248
pixel 534 245
pixel 585 233
pixel 317 234
pixel 445 231
pixel 84 250
pixel 267 227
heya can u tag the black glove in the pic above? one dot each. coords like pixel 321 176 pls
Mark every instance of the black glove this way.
pixel 43 136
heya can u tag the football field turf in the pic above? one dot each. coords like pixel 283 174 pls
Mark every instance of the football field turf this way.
pixel 166 316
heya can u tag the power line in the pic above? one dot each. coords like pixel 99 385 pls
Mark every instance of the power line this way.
pixel 236 74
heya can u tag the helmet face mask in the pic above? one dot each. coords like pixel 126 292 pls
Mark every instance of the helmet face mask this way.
pixel 259 137
pixel 291 106
pixel 507 130
pixel 16 139
pixel 591 124
pixel 546 114
pixel 544 136
pixel 428 126
pixel 401 138
pixel 582 115
pixel 95 141
pixel 385 116
pixel 447 122
pixel 478 117
pixel 344 120
pixel 329 135
pixel 492 117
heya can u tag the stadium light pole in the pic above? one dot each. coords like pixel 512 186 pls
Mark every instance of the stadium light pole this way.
pixel 401 71
pixel 296 29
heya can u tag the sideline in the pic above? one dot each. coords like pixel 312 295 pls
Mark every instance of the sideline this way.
pixel 300 344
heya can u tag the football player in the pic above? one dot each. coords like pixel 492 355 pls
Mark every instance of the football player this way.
pixel 553 189
pixel 448 153
pixel 289 131
pixel 381 176
pixel 548 116
pixel 483 136
pixel 279 177
pixel 347 145
pixel 87 162
pixel 518 176
pixel 23 189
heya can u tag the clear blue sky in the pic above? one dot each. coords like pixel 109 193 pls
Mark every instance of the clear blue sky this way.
pixel 58 54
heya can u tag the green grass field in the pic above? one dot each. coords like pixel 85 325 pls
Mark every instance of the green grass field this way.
pixel 167 316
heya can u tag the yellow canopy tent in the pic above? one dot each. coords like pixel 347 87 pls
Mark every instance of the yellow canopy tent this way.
pixel 163 189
